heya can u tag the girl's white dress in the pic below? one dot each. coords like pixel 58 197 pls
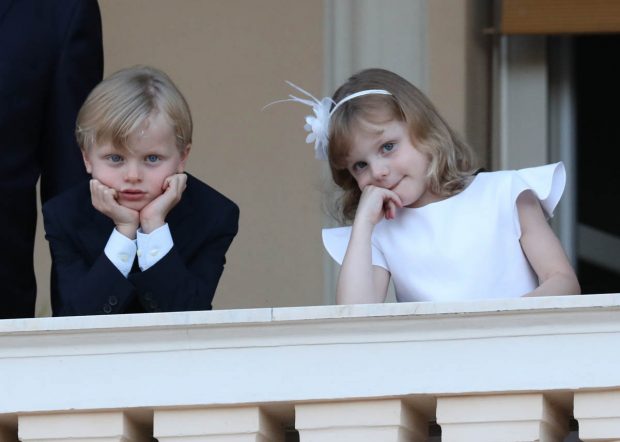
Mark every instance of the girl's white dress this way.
pixel 463 247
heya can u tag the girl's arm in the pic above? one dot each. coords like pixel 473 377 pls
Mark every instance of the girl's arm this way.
pixel 360 282
pixel 544 251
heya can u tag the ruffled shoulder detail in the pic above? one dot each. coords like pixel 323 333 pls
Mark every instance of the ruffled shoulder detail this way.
pixel 336 241
pixel 547 182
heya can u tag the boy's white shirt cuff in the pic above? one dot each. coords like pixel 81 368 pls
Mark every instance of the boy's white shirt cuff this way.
pixel 121 251
pixel 153 246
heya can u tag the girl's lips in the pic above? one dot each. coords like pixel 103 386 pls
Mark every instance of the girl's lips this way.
pixel 395 185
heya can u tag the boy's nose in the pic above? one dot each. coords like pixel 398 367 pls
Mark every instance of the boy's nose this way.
pixel 132 173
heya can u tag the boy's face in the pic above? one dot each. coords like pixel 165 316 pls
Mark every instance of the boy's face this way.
pixel 137 175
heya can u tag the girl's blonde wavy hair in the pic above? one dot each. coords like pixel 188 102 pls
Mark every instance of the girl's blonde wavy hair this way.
pixel 118 105
pixel 451 159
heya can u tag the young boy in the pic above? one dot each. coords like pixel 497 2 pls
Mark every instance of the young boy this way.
pixel 142 236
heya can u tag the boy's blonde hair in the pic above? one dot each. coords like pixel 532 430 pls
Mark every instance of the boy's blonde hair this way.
pixel 451 159
pixel 118 105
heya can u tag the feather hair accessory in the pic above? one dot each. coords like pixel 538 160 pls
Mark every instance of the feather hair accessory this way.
pixel 318 124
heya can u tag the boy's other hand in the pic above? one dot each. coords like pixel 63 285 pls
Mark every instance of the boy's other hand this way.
pixel 154 214
pixel 104 200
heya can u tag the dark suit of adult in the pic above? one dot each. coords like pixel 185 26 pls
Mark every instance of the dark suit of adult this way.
pixel 51 57
pixel 85 282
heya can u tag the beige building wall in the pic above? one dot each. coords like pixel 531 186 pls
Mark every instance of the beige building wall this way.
pixel 231 57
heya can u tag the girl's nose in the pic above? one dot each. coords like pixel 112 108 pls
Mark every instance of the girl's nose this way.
pixel 379 170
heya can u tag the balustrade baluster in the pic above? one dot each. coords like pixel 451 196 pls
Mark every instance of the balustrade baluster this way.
pixel 230 424
pixel 360 421
pixel 501 418
pixel 113 426
pixel 598 413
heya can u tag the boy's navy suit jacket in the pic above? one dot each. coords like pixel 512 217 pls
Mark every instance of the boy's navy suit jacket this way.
pixel 85 282
pixel 51 56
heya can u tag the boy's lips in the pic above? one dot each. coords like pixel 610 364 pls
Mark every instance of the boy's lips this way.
pixel 132 194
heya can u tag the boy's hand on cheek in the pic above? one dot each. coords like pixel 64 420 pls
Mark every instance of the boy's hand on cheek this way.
pixel 154 214
pixel 104 200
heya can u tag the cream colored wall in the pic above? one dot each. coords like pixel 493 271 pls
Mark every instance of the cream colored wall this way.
pixel 230 58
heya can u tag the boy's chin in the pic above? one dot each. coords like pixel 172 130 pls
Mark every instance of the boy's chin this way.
pixel 134 205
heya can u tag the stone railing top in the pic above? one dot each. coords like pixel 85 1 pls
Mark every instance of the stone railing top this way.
pixel 285 355
pixel 413 310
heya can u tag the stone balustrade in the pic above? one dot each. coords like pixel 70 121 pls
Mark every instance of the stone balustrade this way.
pixel 492 370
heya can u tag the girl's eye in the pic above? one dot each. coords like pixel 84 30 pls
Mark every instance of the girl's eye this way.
pixel 115 158
pixel 359 166
pixel 152 158
pixel 387 147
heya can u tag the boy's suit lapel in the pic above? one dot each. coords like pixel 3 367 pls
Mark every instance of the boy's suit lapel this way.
pixel 181 222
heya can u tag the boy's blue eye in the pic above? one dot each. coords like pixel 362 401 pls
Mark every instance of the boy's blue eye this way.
pixel 152 158
pixel 387 147
pixel 115 158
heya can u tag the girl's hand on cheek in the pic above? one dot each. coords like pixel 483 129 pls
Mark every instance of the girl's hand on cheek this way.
pixel 154 214
pixel 104 199
pixel 377 203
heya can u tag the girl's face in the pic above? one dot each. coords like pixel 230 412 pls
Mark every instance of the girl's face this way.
pixel 138 175
pixel 383 155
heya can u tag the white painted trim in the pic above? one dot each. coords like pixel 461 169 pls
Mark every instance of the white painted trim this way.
pixel 296 354
pixel 520 95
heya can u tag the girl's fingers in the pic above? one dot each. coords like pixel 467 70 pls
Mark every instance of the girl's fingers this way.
pixel 395 199
pixel 390 209
pixel 391 201
pixel 378 202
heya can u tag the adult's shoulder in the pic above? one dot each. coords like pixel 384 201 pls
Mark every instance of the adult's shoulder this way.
pixel 69 10
pixel 53 16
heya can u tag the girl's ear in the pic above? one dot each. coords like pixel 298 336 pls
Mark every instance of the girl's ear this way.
pixel 184 155
pixel 89 167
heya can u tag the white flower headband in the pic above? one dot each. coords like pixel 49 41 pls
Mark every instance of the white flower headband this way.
pixel 318 125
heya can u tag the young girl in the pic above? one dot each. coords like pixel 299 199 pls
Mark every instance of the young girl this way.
pixel 420 214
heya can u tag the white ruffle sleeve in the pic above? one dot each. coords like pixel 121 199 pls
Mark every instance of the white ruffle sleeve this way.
pixel 547 183
pixel 336 241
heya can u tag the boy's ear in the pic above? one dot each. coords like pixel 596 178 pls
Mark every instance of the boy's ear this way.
pixel 184 155
pixel 89 167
